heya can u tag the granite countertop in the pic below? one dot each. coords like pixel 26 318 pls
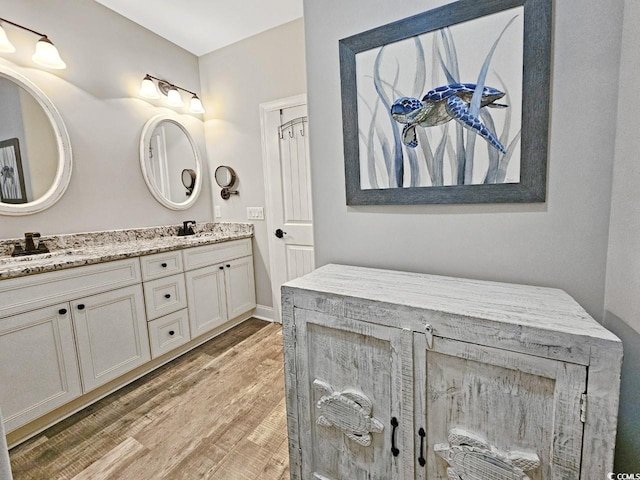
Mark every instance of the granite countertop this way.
pixel 74 250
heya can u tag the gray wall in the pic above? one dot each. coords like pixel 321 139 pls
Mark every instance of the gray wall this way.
pixel 622 299
pixel 561 243
pixel 97 96
pixel 235 81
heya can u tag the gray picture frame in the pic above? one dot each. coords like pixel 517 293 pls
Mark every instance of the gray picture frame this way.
pixel 12 184
pixel 535 106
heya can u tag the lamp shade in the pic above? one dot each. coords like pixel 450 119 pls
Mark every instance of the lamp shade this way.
pixel 174 98
pixel 148 88
pixel 5 44
pixel 47 55
pixel 196 105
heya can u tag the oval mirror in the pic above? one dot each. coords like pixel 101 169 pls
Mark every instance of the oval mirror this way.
pixel 225 176
pixel 35 152
pixel 170 162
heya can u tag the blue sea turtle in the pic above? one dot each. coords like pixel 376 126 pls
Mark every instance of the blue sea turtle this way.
pixel 442 104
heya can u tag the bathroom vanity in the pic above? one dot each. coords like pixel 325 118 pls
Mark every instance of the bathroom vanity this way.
pixel 103 309
pixel 394 375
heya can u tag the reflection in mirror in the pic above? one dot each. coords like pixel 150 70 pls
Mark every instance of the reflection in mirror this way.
pixel 167 150
pixel 35 156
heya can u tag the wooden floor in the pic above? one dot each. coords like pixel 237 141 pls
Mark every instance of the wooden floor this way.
pixel 217 412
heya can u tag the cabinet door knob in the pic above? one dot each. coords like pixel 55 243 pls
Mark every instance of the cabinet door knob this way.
pixel 168 295
pixel 171 332
pixel 62 311
pixel 81 306
pixel 221 268
pixel 228 266
pixel 421 459
pixel 164 265
pixel 394 450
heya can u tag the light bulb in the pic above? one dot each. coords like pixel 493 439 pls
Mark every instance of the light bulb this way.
pixel 174 98
pixel 196 105
pixel 148 88
pixel 5 44
pixel 47 55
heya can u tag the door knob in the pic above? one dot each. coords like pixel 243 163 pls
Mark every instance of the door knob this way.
pixel 280 233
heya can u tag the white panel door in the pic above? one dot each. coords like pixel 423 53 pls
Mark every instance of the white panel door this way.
pixel 111 332
pixel 38 365
pixel 240 286
pixel 288 185
pixel 206 299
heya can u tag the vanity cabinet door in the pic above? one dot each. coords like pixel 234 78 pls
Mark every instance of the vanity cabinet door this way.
pixel 111 332
pixel 206 299
pixel 515 412
pixel 38 364
pixel 354 399
pixel 239 286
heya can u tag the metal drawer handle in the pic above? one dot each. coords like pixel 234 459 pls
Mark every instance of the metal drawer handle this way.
pixel 62 311
pixel 168 295
pixel 394 450
pixel 164 265
pixel 421 459
pixel 81 306
pixel 171 332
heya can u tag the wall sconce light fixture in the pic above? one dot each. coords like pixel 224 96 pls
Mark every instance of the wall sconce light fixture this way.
pixel 46 54
pixel 148 90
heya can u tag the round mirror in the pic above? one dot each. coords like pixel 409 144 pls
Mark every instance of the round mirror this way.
pixel 225 176
pixel 35 152
pixel 170 162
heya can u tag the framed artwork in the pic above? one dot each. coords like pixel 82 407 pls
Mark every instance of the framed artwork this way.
pixel 12 186
pixel 449 106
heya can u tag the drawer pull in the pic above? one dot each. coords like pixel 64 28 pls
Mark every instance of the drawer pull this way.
pixel 421 459
pixel 221 268
pixel 394 450
pixel 171 332
pixel 62 311
pixel 81 306
pixel 164 265
pixel 228 266
pixel 168 295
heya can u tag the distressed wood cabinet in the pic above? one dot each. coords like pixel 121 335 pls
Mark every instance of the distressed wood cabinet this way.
pixel 393 375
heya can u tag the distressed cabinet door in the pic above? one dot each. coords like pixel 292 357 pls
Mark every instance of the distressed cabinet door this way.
pixel 491 414
pixel 354 383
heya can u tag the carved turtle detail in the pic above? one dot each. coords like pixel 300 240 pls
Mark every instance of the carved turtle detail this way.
pixel 470 457
pixel 348 411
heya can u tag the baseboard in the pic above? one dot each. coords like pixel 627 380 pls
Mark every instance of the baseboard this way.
pixel 264 313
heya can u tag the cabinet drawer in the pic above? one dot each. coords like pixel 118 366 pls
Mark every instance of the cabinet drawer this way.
pixel 206 255
pixel 161 265
pixel 34 291
pixel 168 332
pixel 164 295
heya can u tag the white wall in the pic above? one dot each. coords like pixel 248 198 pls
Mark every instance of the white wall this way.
pixel 97 96
pixel 235 81
pixel 622 299
pixel 561 243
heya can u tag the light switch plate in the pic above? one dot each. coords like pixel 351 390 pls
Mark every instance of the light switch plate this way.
pixel 255 213
pixel 217 211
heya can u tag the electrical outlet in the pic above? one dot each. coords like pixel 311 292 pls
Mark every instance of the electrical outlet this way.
pixel 217 211
pixel 255 213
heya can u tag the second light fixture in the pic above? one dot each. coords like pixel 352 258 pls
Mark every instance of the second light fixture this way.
pixel 148 90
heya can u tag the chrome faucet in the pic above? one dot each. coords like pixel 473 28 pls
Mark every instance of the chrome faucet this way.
pixel 29 246
pixel 187 228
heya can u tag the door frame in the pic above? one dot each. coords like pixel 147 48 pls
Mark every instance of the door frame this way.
pixel 269 146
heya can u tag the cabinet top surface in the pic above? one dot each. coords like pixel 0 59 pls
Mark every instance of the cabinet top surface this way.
pixel 538 307
pixel 89 248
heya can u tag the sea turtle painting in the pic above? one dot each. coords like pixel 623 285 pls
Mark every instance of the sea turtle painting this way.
pixel 470 457
pixel 348 411
pixel 442 104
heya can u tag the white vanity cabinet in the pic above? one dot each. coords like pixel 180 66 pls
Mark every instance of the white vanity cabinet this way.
pixel 34 381
pixel 393 375
pixel 220 283
pixel 111 333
